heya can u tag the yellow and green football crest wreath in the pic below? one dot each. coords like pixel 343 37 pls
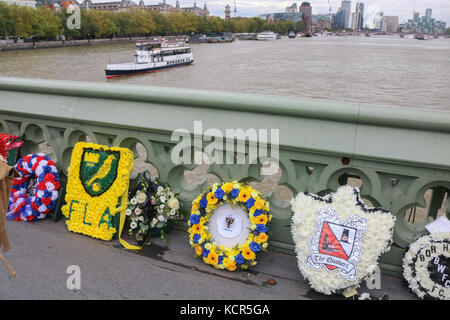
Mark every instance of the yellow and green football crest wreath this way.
pixel 97 189
pixel 234 194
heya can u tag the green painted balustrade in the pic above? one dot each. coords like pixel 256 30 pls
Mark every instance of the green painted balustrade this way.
pixel 396 153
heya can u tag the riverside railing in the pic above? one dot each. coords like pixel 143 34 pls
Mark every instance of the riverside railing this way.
pixel 398 154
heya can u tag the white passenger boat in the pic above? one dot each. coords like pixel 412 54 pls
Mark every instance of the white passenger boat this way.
pixel 152 57
pixel 267 35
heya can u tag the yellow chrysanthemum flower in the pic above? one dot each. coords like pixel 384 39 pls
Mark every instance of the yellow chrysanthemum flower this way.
pixel 247 253
pixel 211 198
pixel 227 187
pixel 261 219
pixel 198 250
pixel 262 237
pixel 213 258
pixel 259 204
pixel 244 196
pixel 197 228
pixel 231 266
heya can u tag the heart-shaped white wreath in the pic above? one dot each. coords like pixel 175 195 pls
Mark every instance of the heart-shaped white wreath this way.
pixel 338 239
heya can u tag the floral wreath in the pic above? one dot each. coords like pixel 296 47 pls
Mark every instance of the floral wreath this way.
pixel 7 143
pixel 236 195
pixel 151 208
pixel 426 266
pixel 97 189
pixel 338 239
pixel 35 193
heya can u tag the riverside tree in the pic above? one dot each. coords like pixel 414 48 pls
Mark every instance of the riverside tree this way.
pixel 45 24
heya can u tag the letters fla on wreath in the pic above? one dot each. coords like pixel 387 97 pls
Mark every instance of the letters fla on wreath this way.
pixel 338 239
pixel 97 189
pixel 228 225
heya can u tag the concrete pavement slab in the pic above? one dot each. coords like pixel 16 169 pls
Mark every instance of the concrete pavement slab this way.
pixel 42 251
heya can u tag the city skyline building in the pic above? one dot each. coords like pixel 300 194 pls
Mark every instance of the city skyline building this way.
pixel 162 7
pixel 346 7
pixel 428 13
pixel 306 14
pixel 21 3
pixel 390 24
pixel 378 21
pixel 425 24
pixel 227 12
pixel 358 17
pixel 291 9
pixel 341 19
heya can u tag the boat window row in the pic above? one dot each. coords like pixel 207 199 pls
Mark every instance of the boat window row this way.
pixel 177 61
pixel 176 52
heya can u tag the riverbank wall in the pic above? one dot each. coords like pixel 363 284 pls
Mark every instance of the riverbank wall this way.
pixel 60 43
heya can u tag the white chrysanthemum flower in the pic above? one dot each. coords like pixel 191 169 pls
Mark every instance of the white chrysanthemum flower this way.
pixel 133 225
pixel 364 296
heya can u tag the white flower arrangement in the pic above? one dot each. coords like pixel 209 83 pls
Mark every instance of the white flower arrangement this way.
pixel 151 209
pixel 426 266
pixel 338 239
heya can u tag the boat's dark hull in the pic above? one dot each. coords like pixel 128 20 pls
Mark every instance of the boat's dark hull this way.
pixel 120 73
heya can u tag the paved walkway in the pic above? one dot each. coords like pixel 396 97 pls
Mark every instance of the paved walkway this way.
pixel 42 251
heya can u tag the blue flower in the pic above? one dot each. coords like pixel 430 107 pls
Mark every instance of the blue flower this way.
pixel 255 247
pixel 195 219
pixel 261 228
pixel 196 237
pixel 205 253
pixel 239 259
pixel 219 193
pixel 257 213
pixel 249 203
pixel 220 260
pixel 234 193
pixel 203 203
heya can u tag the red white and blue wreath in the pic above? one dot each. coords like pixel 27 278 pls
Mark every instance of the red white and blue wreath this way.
pixel 35 192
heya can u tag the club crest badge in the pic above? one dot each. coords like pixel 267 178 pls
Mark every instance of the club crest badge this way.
pixel 338 239
pixel 98 170
pixel 229 221
pixel 336 245
pixel 230 226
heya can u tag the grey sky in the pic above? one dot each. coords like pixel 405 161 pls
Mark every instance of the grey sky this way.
pixel 250 8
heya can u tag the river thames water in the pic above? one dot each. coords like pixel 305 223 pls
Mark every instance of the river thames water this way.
pixel 383 70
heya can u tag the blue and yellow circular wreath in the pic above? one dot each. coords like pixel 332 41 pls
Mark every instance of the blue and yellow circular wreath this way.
pixel 236 195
